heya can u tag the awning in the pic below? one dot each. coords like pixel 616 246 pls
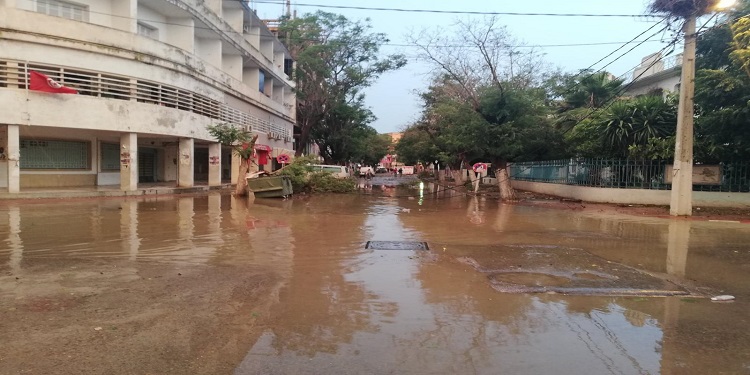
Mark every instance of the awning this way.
pixel 266 148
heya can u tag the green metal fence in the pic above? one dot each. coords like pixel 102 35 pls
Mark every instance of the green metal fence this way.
pixel 633 174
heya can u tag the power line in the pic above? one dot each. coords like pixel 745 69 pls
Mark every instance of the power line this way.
pixel 488 13
pixel 405 45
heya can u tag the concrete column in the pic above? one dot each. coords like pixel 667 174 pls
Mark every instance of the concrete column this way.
pixel 125 15
pixel 681 198
pixel 266 48
pixel 235 168
pixel 185 176
pixel 180 33
pixel 252 36
pixel 130 241
pixel 214 164
pixel 214 219
pixel 13 153
pixel 268 86
pixel 278 60
pixel 251 77
pixel 14 241
pixel 232 65
pixel 677 247
pixel 278 94
pixel 214 5
pixel 129 162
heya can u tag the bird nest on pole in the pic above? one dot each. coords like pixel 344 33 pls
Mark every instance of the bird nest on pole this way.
pixel 682 8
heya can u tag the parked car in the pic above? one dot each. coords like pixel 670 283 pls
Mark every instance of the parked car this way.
pixel 381 170
pixel 363 171
pixel 338 171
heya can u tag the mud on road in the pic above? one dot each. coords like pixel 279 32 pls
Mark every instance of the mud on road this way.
pixel 102 317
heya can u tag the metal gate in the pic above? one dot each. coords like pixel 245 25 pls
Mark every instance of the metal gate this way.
pixel 146 165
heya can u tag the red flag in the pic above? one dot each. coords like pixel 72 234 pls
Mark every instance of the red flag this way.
pixel 41 82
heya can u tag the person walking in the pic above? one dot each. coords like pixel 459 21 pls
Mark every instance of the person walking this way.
pixel 400 172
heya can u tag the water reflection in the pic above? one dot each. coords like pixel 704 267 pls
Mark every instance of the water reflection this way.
pixel 339 308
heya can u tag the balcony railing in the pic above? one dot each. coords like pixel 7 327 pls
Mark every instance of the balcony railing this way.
pixel 90 83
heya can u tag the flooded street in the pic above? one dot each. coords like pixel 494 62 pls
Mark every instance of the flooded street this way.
pixel 209 284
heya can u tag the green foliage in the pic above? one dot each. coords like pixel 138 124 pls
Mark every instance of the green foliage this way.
pixel 298 171
pixel 657 148
pixel 324 182
pixel 509 125
pixel 641 127
pixel 304 179
pixel 586 89
pixel 416 145
pixel 336 59
pixel 232 136
pixel 722 90
pixel 370 147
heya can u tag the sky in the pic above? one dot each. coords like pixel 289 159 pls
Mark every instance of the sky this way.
pixel 393 98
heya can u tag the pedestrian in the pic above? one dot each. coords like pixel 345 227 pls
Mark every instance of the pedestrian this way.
pixel 400 172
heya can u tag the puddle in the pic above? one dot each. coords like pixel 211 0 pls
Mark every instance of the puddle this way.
pixel 502 288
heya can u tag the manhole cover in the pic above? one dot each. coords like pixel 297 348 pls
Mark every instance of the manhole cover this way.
pixel 396 245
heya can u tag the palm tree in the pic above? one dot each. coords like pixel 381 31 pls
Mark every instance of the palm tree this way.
pixel 633 122
pixel 592 90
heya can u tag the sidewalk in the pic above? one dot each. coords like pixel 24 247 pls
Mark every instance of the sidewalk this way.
pixel 144 189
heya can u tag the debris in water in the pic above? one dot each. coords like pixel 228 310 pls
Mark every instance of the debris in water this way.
pixel 724 297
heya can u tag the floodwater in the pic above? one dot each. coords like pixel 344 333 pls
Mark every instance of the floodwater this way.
pixel 503 288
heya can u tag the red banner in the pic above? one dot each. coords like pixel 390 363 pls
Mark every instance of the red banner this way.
pixel 40 82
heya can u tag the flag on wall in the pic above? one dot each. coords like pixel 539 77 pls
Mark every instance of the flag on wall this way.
pixel 40 82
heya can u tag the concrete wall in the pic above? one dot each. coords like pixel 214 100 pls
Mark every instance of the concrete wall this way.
pixel 39 38
pixel 668 84
pixel 154 19
pixel 42 109
pixel 632 196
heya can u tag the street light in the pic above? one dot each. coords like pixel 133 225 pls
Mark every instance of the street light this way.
pixel 681 198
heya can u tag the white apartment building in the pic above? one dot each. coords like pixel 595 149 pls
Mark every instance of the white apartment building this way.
pixel 656 75
pixel 151 76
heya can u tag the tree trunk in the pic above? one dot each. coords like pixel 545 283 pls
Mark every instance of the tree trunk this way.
pixel 507 193
pixel 241 189
pixel 474 180
pixel 458 177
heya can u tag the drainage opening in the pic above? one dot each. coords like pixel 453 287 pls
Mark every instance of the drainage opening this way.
pixel 396 245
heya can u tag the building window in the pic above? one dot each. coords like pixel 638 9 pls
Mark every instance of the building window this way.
pixel 262 81
pixel 110 157
pixel 48 154
pixel 63 9
pixel 148 30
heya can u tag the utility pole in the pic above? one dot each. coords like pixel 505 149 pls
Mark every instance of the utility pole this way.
pixel 681 202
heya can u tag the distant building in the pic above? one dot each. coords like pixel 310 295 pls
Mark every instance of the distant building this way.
pixel 391 158
pixel 151 76
pixel 656 76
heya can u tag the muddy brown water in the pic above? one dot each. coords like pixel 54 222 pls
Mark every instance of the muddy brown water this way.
pixel 210 284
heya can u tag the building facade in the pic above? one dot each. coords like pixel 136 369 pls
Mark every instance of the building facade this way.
pixel 151 76
pixel 656 75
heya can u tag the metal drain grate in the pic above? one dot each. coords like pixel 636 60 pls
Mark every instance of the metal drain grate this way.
pixel 396 245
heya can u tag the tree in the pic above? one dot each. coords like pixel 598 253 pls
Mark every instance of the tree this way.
pixel 588 90
pixel 641 127
pixel 242 144
pixel 722 90
pixel 335 59
pixel 473 109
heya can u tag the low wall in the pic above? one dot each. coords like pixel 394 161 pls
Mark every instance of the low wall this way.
pixel 57 180
pixel 632 196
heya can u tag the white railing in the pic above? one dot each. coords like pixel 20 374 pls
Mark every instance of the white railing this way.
pixel 90 83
